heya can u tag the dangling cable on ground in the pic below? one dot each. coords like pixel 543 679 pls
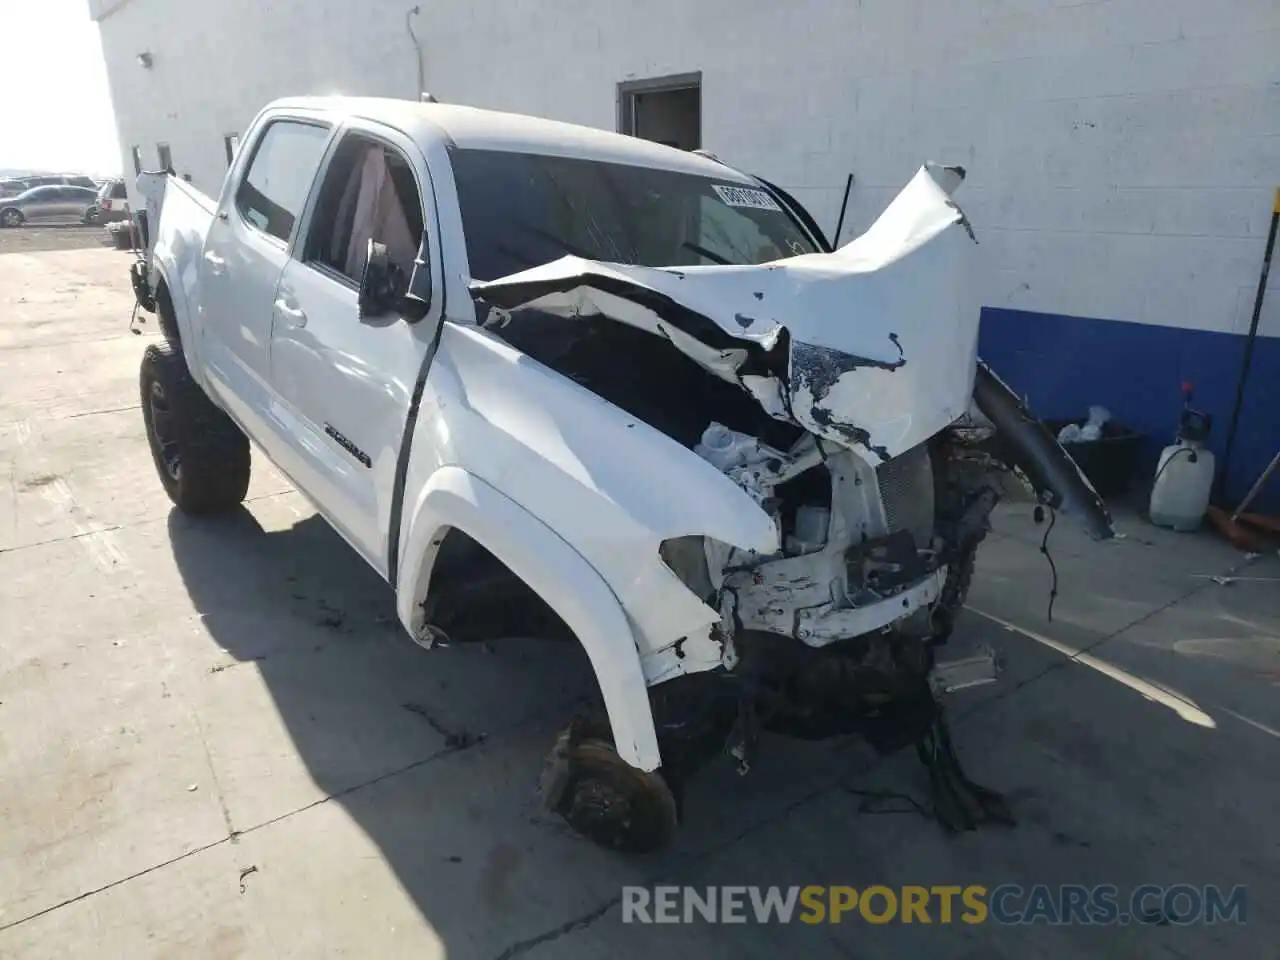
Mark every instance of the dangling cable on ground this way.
pixel 1053 568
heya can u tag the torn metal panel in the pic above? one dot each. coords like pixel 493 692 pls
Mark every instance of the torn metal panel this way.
pixel 852 584
pixel 872 346
pixel 802 597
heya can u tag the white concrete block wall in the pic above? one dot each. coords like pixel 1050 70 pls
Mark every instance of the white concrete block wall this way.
pixel 1122 153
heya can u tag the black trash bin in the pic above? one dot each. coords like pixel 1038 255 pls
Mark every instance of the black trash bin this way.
pixel 1110 462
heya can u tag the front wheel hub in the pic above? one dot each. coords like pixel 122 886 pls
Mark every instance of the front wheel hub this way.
pixel 614 804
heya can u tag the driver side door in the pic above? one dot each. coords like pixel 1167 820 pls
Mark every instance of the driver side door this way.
pixel 346 383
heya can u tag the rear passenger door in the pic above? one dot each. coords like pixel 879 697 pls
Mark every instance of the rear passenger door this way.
pixel 346 383
pixel 244 254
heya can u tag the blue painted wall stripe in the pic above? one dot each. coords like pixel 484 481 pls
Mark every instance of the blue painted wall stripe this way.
pixel 1062 364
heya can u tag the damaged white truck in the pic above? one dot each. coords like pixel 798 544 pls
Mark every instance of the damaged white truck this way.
pixel 548 379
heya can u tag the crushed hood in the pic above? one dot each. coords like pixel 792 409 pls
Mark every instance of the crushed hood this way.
pixel 872 346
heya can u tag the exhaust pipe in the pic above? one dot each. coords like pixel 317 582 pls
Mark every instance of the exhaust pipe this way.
pixel 1027 444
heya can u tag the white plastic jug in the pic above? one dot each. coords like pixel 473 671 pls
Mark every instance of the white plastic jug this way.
pixel 1180 495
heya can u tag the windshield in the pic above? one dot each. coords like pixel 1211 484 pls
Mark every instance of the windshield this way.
pixel 520 210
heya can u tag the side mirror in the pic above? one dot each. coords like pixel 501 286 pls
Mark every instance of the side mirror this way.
pixel 382 283
pixel 385 289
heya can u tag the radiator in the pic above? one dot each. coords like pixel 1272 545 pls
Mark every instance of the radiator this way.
pixel 906 490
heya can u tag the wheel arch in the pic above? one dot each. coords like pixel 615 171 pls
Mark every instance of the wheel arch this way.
pixel 173 316
pixel 166 312
pixel 454 500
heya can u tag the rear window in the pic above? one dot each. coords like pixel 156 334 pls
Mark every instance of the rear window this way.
pixel 521 210
pixel 275 186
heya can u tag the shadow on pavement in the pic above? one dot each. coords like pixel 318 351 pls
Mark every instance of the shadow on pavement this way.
pixel 434 755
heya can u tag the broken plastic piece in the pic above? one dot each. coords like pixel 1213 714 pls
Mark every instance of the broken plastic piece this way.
pixel 750 464
pixel 431 636
pixel 975 670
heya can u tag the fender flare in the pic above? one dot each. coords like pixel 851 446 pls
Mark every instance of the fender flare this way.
pixel 162 272
pixel 454 498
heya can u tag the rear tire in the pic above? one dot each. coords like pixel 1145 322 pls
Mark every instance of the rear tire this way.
pixel 200 454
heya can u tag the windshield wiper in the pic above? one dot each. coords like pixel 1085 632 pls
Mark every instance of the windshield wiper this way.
pixel 709 254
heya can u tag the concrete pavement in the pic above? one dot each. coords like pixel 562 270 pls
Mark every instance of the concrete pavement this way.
pixel 216 742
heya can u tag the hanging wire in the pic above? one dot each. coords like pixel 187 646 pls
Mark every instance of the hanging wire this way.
pixel 1053 567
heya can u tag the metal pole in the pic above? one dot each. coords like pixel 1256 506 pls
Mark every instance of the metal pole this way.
pixel 1258 485
pixel 848 185
pixel 1247 361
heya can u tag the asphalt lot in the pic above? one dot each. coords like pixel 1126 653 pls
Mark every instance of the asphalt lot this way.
pixel 215 741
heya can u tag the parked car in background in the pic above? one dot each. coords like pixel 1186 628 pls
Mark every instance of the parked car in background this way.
pixel 60 179
pixel 11 188
pixel 61 204
pixel 113 201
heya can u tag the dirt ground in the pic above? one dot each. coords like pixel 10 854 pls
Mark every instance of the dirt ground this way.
pixel 38 239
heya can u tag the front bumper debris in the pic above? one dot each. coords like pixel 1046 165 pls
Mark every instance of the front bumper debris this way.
pixel 976 670
pixel 800 597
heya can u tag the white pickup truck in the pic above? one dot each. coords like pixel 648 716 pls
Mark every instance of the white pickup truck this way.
pixel 545 378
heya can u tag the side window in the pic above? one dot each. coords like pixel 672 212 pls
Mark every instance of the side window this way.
pixel 369 193
pixel 279 176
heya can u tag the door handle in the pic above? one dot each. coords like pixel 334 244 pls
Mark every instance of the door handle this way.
pixel 217 265
pixel 291 315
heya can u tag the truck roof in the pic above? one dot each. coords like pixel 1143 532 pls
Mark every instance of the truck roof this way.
pixel 474 128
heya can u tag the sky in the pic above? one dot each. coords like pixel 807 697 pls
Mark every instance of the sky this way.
pixel 55 107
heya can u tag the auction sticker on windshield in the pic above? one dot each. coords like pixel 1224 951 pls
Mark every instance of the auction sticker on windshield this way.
pixel 745 197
